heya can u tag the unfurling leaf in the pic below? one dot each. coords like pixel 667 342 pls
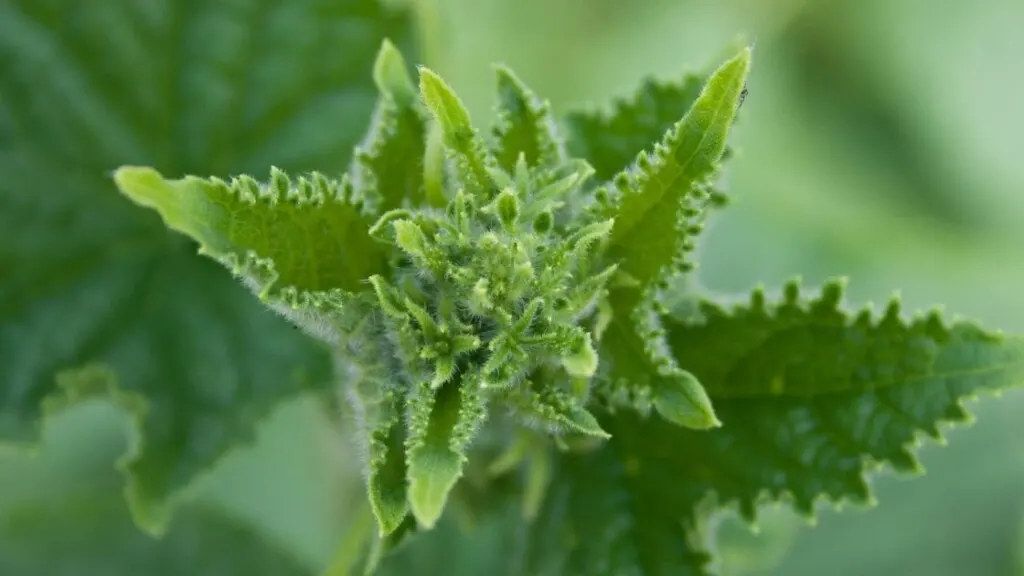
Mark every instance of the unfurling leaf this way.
pixel 442 423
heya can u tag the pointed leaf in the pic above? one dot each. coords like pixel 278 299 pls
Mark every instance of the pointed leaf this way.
pixel 217 88
pixel 827 390
pixel 389 163
pixel 525 125
pixel 377 409
pixel 657 202
pixel 442 424
pixel 473 161
pixel 611 141
pixel 639 373
pixel 307 237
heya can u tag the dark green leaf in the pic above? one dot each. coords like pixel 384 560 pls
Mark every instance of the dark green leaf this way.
pixel 806 392
pixel 85 277
pixel 810 398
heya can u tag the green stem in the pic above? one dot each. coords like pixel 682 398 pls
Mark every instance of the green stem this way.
pixel 354 543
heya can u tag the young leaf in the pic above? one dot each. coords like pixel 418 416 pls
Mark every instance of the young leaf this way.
pixel 656 202
pixel 640 373
pixel 93 534
pixel 389 163
pixel 442 424
pixel 215 88
pixel 461 139
pixel 811 399
pixel 612 141
pixel 525 126
pixel 303 246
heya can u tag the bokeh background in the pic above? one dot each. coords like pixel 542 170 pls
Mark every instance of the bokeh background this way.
pixel 881 140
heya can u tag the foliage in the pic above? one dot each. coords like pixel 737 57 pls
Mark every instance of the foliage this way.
pixel 511 315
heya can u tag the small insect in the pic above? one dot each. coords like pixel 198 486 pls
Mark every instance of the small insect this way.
pixel 743 96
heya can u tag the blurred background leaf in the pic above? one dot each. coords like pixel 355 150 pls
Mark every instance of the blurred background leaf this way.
pixel 880 140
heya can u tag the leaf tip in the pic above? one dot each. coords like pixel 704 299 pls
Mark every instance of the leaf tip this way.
pixel 141 184
pixel 443 103
pixel 429 485
pixel 683 401
pixel 391 76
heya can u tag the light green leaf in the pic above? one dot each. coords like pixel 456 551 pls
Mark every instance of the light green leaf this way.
pixel 811 399
pixel 657 203
pixel 88 278
pixel 302 246
pixel 389 163
pixel 442 424
pixel 460 137
pixel 638 372
pixel 611 141
pixel 525 125
pixel 93 534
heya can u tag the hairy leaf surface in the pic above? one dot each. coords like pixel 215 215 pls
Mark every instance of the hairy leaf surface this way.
pixel 657 201
pixel 611 141
pixel 216 88
pixel 525 125
pixel 656 205
pixel 810 399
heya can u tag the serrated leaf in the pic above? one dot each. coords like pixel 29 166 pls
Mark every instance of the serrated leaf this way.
pixel 658 201
pixel 547 408
pixel 829 390
pixel 442 424
pixel 93 534
pixel 302 245
pixel 380 418
pixel 389 163
pixel 611 141
pixel 460 137
pixel 638 371
pixel 525 125
pixel 212 88
pixel 811 399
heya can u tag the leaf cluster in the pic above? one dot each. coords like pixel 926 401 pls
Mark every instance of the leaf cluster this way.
pixel 512 317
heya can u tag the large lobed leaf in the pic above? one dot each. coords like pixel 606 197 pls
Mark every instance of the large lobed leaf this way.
pixel 810 398
pixel 96 291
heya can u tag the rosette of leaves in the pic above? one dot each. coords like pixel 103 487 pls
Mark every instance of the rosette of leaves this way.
pixel 488 294
pixel 505 297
